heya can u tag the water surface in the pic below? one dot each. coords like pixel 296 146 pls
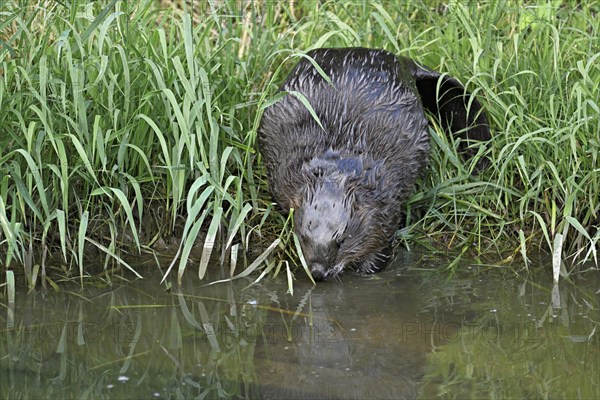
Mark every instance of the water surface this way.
pixel 409 332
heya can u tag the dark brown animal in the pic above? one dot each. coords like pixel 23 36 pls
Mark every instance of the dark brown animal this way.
pixel 347 176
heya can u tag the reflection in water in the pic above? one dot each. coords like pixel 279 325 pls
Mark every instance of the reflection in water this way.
pixel 356 340
pixel 538 340
pixel 393 335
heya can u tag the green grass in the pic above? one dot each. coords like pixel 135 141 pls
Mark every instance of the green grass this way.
pixel 122 126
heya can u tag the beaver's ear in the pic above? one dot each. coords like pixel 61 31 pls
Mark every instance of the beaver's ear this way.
pixel 458 110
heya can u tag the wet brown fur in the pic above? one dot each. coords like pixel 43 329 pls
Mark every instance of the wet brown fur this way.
pixel 347 180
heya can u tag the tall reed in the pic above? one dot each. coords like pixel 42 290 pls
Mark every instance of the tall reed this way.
pixel 123 124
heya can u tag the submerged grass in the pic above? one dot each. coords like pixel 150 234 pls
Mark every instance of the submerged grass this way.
pixel 123 124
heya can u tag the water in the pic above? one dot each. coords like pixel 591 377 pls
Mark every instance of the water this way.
pixel 404 333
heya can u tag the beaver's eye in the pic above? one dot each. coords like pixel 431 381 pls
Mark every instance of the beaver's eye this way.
pixel 340 242
pixel 301 237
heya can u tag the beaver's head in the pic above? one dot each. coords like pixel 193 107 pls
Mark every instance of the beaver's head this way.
pixel 341 223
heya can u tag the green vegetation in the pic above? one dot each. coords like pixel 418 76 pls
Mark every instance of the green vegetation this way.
pixel 123 125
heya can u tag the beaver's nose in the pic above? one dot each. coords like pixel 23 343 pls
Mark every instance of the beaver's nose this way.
pixel 318 272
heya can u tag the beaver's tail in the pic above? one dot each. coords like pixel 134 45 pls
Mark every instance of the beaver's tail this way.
pixel 458 110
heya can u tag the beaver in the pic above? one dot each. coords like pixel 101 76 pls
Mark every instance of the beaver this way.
pixel 347 171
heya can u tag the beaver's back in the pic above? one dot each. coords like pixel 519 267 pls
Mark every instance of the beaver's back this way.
pixel 370 112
